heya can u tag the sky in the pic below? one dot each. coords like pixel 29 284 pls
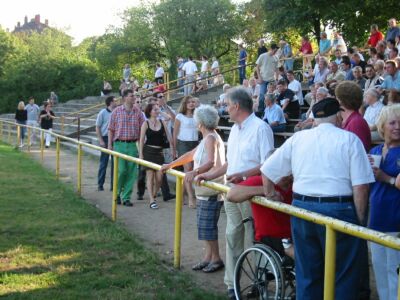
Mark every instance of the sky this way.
pixel 79 19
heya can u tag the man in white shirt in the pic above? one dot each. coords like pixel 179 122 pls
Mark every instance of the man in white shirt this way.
pixel 190 70
pixel 267 64
pixel 250 142
pixel 295 86
pixel 33 112
pixel 334 183
pixel 159 74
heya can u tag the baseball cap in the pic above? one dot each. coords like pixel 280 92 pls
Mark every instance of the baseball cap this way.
pixel 325 108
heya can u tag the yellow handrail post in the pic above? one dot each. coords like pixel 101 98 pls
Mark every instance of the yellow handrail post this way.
pixel 115 189
pixel 178 222
pixel 42 145
pixel 79 183
pixel 29 139
pixel 234 76
pixel 62 125
pixel 18 135
pixel 9 133
pixel 330 263
pixel 58 158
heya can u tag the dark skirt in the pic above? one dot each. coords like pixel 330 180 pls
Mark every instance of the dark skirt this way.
pixel 208 212
pixel 154 155
pixel 183 147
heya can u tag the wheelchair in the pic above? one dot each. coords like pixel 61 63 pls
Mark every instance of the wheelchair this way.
pixel 263 272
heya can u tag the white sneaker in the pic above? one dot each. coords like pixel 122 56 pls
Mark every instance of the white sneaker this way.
pixel 21 145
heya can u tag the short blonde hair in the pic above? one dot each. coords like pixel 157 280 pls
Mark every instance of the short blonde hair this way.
pixel 21 105
pixel 387 112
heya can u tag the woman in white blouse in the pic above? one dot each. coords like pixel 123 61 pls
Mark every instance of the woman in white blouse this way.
pixel 186 138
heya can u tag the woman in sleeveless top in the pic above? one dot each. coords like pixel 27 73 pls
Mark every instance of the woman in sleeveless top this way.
pixel 152 139
pixel 186 138
pixel 207 156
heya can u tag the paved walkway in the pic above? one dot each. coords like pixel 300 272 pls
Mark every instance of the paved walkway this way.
pixel 155 228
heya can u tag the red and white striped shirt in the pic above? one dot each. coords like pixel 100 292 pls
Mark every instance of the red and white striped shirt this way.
pixel 126 124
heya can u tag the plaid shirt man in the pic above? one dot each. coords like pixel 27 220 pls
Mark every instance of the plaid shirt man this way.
pixel 126 124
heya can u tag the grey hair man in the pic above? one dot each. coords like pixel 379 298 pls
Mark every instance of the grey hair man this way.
pixel 250 142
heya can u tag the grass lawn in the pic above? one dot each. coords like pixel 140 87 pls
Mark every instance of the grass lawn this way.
pixel 53 245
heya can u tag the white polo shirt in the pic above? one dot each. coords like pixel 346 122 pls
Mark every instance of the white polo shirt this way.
pixel 295 86
pixel 324 161
pixel 189 67
pixel 249 145
pixel 372 112
pixel 159 72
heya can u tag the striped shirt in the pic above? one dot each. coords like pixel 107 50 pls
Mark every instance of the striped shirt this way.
pixel 126 124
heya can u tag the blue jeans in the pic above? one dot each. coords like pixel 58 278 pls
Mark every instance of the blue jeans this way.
pixel 309 240
pixel 279 128
pixel 23 129
pixel 101 176
pixel 288 64
pixel 242 73
pixel 263 90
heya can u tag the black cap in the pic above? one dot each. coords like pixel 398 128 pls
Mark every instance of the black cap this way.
pixel 325 108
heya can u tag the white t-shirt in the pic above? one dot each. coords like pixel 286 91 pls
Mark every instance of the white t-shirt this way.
pixel 159 72
pixel 268 65
pixel 337 162
pixel 372 113
pixel 188 129
pixel 204 66
pixel 190 68
pixel 215 64
pixel 295 86
pixel 249 145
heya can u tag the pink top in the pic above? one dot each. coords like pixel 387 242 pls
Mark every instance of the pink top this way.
pixel 356 124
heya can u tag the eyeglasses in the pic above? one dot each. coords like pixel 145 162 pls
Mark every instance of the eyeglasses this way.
pixel 138 102
pixel 160 96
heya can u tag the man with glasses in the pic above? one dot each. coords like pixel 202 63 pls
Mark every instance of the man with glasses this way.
pixel 123 133
pixel 102 121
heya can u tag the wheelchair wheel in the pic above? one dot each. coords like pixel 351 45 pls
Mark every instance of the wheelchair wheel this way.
pixel 259 275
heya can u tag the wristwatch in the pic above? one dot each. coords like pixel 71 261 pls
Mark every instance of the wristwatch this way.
pixel 243 177
pixel 392 181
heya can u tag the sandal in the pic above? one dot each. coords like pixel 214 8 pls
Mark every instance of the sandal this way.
pixel 153 205
pixel 200 265
pixel 214 266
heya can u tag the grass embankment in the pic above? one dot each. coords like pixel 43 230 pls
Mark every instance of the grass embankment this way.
pixel 53 245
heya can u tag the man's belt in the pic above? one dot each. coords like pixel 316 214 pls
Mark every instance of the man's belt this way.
pixel 126 141
pixel 340 199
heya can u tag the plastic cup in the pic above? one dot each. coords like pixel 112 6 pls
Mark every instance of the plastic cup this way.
pixel 377 160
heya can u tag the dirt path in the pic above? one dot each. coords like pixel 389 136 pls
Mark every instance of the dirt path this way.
pixel 154 227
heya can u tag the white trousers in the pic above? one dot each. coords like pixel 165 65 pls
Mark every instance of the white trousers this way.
pixel 385 262
pixel 239 236
pixel 47 137
pixel 33 132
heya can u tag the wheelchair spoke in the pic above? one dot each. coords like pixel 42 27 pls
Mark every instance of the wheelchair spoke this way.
pixel 251 268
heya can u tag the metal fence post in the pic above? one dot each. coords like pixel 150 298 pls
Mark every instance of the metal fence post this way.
pixel 178 222
pixel 79 128
pixel 115 189
pixel 62 125
pixel 79 183
pixel 9 133
pixel 29 139
pixel 58 158
pixel 330 263
pixel 42 145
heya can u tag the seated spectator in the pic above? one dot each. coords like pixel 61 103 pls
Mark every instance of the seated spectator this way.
pixel 358 62
pixel 349 95
pixel 358 77
pixel 322 71
pixel 373 56
pixel 346 67
pixel 375 36
pixel 338 57
pixel 334 75
pixel 310 96
pixel 379 67
pixel 288 101
pixel 270 226
pixel 221 102
pixel 392 78
pixel 381 49
pixel 338 42
pixel 295 86
pixel 254 89
pixel 371 98
pixel 273 114
pixel 107 88
pixel 53 98
pixel 355 51
pixel 282 74
pixel 373 80
pixel 393 53
pixel 385 204
pixel 392 97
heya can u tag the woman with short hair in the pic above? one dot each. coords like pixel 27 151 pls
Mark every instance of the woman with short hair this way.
pixel 207 156
pixel 21 116
pixel 385 200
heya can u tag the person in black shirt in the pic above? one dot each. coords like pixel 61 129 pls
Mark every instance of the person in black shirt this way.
pixel 46 121
pixel 262 49
pixel 21 115
pixel 288 101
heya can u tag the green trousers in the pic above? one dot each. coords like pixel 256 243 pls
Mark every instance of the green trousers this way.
pixel 127 171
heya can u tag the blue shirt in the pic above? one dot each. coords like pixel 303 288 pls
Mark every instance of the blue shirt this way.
pixel 287 51
pixel 324 45
pixel 242 57
pixel 392 82
pixel 274 114
pixel 349 75
pixel 392 33
pixel 384 198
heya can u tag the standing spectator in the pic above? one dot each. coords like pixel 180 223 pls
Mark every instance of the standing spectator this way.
pixel 295 86
pixel 287 55
pixel 338 43
pixel 324 45
pixel 159 74
pixel 126 73
pixel 53 98
pixel 250 142
pixel 123 86
pixel 344 197
pixel 46 122
pixel 21 116
pixel 393 30
pixel 306 50
pixel 375 36
pixel 204 67
pixel 190 70
pixel 215 66
pixel 266 68
pixel 107 88
pixel 102 121
pixel 385 204
pixel 186 138
pixel 242 63
pixel 371 98
pixel 123 133
pixel 261 48
pixel 33 112
pixel 273 114
pixel 208 156
pixel 180 75
pixel 153 137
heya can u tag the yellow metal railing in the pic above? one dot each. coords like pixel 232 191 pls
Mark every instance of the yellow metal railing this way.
pixel 332 225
